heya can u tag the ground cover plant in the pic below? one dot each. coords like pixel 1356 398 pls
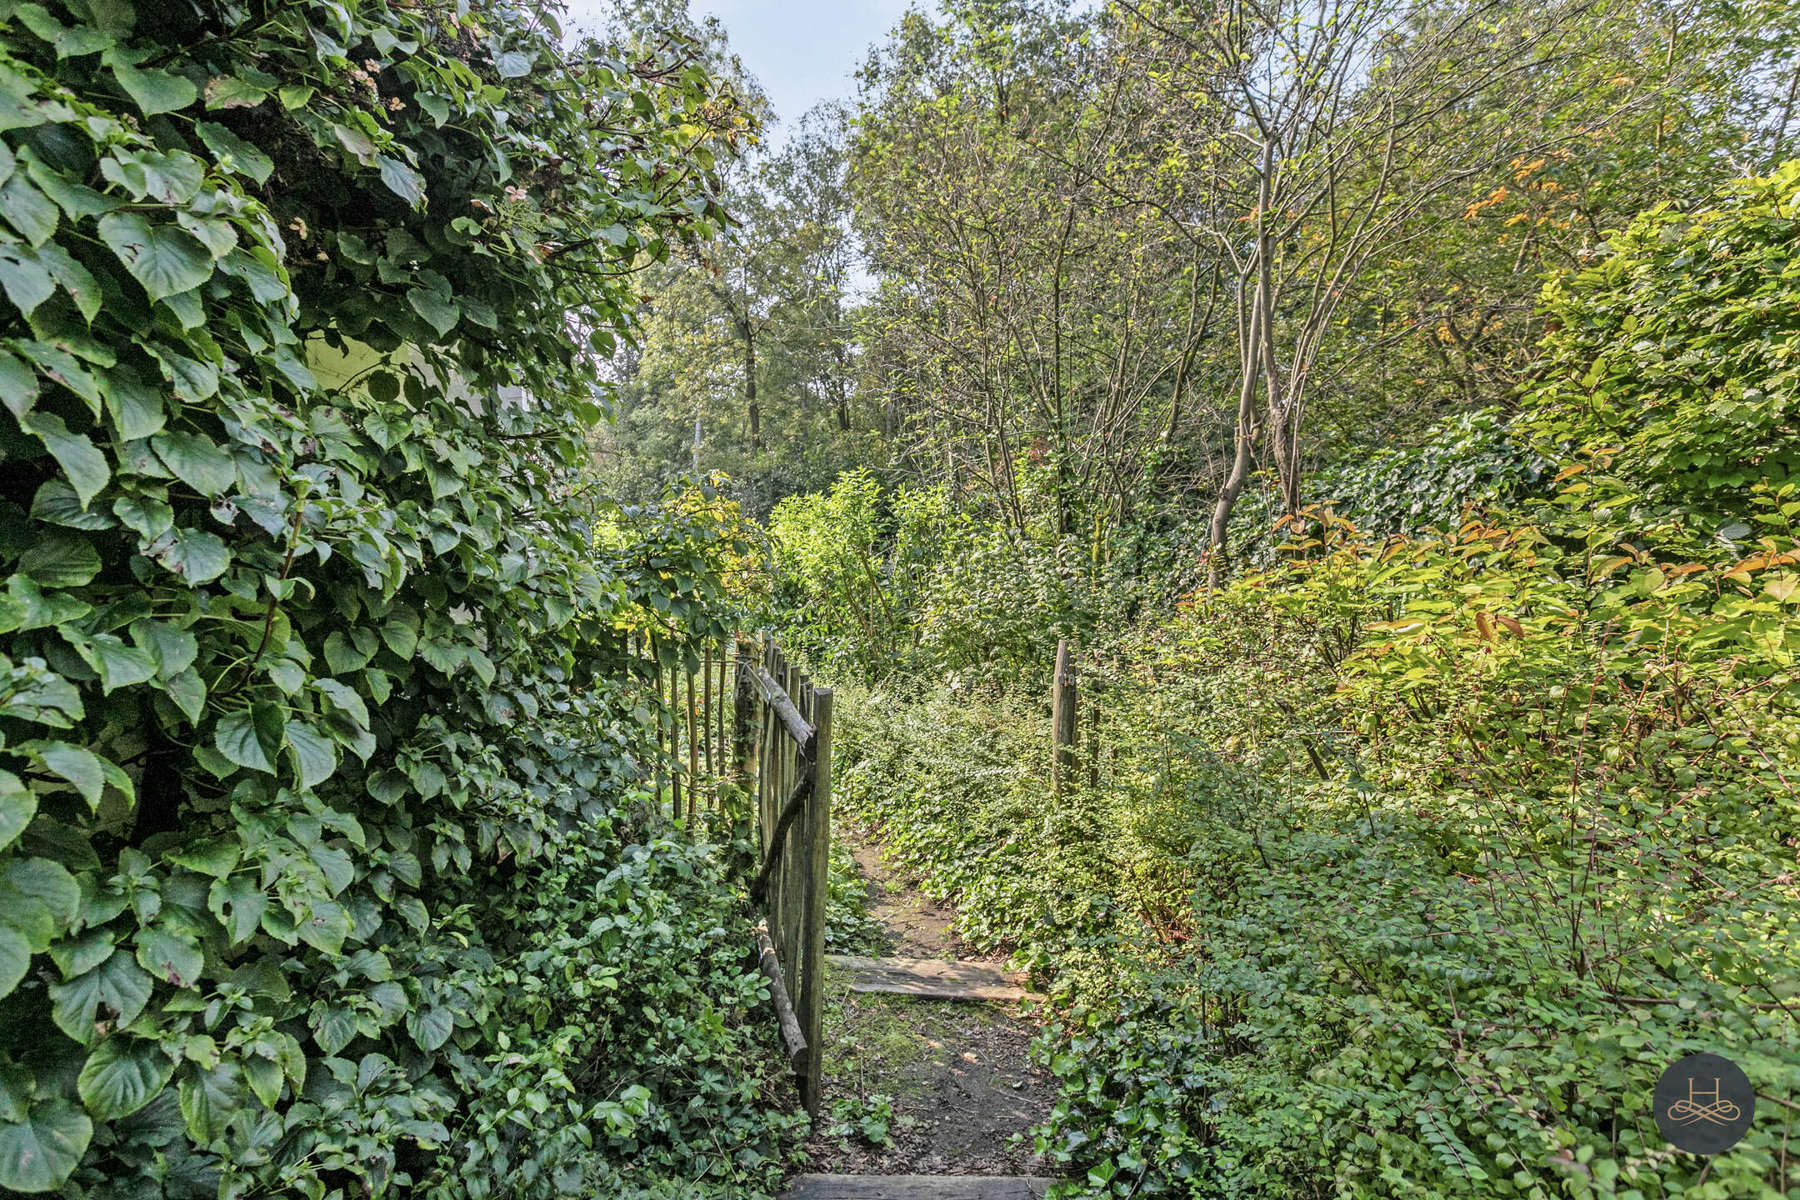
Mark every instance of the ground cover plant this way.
pixel 325 863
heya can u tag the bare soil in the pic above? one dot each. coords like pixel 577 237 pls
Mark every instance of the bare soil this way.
pixel 964 1092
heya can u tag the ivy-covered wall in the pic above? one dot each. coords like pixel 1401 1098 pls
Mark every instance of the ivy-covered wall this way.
pixel 320 864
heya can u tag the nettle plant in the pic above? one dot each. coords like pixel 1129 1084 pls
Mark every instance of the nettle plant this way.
pixel 316 739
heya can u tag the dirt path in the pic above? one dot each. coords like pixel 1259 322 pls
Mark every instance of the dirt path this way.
pixel 946 1085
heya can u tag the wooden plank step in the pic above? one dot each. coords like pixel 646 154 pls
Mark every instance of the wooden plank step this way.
pixel 934 978
pixel 917 1187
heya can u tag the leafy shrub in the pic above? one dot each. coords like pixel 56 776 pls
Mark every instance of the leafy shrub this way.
pixel 1670 378
pixel 1470 460
pixel 322 865
pixel 875 586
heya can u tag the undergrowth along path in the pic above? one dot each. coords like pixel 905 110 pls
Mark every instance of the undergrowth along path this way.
pixel 921 1089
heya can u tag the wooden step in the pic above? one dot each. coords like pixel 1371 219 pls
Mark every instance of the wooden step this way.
pixel 917 1187
pixel 934 978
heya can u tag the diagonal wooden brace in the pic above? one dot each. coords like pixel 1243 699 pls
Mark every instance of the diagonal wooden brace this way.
pixel 790 811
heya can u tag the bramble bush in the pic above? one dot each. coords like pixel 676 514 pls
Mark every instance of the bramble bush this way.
pixel 324 865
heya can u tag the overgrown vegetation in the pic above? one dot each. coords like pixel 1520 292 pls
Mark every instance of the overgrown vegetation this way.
pixel 1407 863
pixel 325 863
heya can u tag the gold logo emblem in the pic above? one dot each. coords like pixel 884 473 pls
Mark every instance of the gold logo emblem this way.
pixel 1702 1105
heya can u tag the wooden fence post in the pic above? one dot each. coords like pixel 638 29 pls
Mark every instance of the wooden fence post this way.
pixel 743 709
pixel 1064 729
pixel 818 889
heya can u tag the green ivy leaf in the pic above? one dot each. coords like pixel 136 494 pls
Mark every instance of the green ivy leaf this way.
pixel 228 146
pixel 217 857
pixel 40 1152
pixel 153 91
pixel 57 503
pixel 136 407
pixel 118 665
pixel 402 180
pixel 314 757
pixel 28 210
pixel 26 283
pixel 60 560
pixel 441 313
pixel 431 1027
pixel 166 259
pixel 79 766
pixel 18 804
pixel 239 905
pixel 18 384
pixel 188 691
pixel 118 984
pixel 82 463
pixel 195 555
pixel 122 1074
pixel 209 1099
pixel 149 516
pixel 197 461
pixel 169 956
pixel 173 648
pixel 15 958
pixel 334 1027
pixel 237 739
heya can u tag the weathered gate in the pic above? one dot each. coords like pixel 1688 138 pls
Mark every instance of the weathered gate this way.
pixel 782 749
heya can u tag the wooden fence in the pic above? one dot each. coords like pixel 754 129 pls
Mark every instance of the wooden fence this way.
pixel 694 763
pixel 783 751
pixel 774 748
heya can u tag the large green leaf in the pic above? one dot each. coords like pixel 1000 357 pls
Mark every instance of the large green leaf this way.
pixel 77 764
pixel 136 407
pixel 431 1027
pixel 210 1099
pixel 238 740
pixel 40 1152
pixel 239 904
pixel 314 756
pixel 151 89
pixel 50 884
pixel 81 461
pixel 228 146
pixel 18 804
pixel 25 283
pixel 149 516
pixel 60 560
pixel 170 956
pixel 216 856
pixel 197 555
pixel 197 461
pixel 115 991
pixel 122 1074
pixel 166 259
pixel 58 504
pixel 402 180
pixel 15 958
pixel 118 665
pixel 18 384
pixel 440 311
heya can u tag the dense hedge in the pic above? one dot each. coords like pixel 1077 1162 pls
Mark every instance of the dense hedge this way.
pixel 320 864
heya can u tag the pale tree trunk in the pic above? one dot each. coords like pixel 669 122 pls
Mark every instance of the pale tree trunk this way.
pixel 1244 437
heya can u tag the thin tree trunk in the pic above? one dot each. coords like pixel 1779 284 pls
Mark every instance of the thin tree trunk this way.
pixel 750 385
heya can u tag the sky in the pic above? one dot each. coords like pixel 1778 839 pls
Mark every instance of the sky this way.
pixel 801 51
